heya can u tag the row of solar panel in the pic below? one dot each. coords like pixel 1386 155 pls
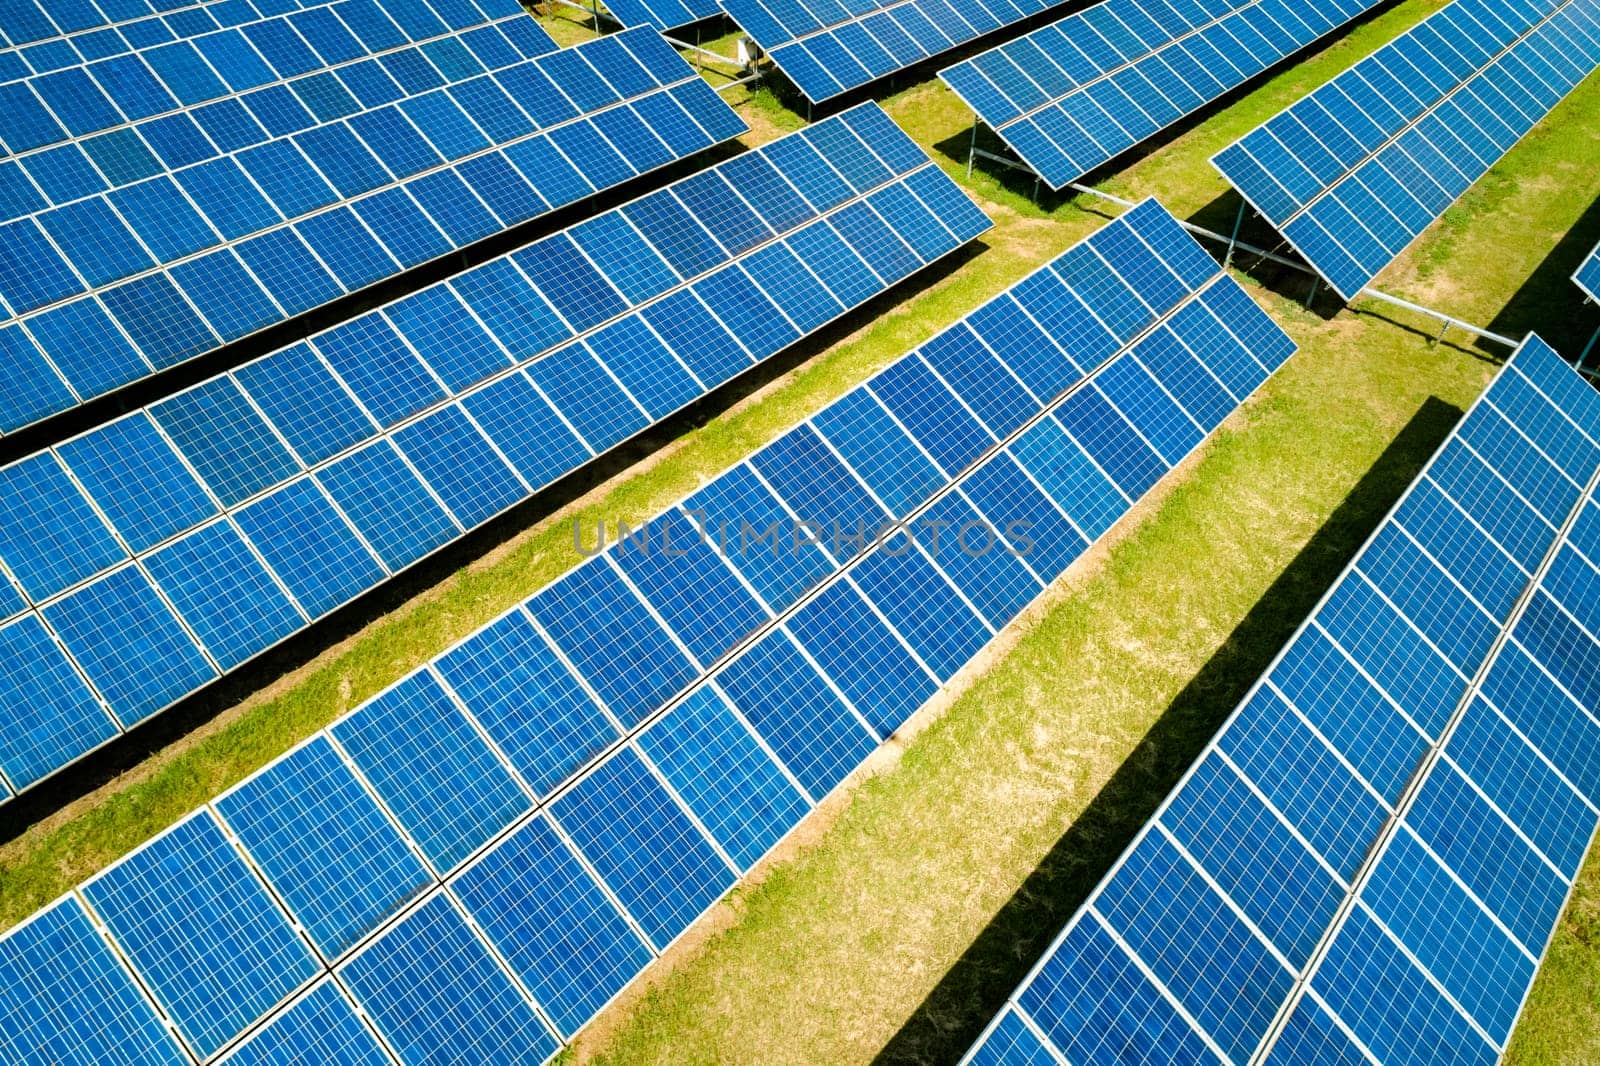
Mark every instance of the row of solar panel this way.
pixel 1353 173
pixel 463 772
pixel 662 14
pixel 27 24
pixel 314 57
pixel 1073 95
pixel 1322 787
pixel 1587 276
pixel 342 460
pixel 827 47
pixel 260 270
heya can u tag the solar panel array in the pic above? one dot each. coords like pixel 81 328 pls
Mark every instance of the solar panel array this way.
pixel 164 549
pixel 1368 860
pixel 291 39
pixel 470 865
pixel 828 47
pixel 1354 172
pixel 1588 276
pixel 91 29
pixel 662 14
pixel 130 249
pixel 1078 92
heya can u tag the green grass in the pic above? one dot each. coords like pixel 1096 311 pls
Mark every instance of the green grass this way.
pixel 901 914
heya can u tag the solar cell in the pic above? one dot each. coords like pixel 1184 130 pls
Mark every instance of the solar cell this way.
pixel 1373 852
pixel 1354 172
pixel 289 208
pixel 646 821
pixel 429 765
pixel 644 846
pixel 558 930
pixel 343 459
pixel 1075 94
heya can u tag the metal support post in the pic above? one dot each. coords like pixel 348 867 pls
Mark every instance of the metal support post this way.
pixel 1233 240
pixel 1316 284
pixel 1588 349
pixel 972 147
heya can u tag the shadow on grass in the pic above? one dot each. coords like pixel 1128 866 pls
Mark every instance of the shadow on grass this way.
pixel 167 727
pixel 1548 302
pixel 976 986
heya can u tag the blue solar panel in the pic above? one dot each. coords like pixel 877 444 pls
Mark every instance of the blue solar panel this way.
pixel 1373 850
pixel 725 776
pixel 50 535
pixel 1354 172
pixel 130 645
pixel 1587 276
pixel 233 604
pixel 51 716
pixel 201 931
pixel 348 457
pixel 693 589
pixel 430 767
pixel 613 641
pixel 1075 94
pixel 322 1026
pixel 644 847
pixel 244 211
pixel 303 539
pixel 527 701
pixel 66 998
pixel 1013 1044
pixel 851 643
pixel 800 715
pixel 437 995
pixel 324 845
pixel 557 929
pixel 640 833
pixel 828 49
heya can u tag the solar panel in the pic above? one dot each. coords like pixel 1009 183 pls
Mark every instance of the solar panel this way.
pixel 1587 277
pixel 662 14
pixel 1354 172
pixel 123 253
pixel 326 845
pixel 1079 92
pixel 322 1026
pixel 67 998
pixel 828 48
pixel 438 995
pixel 652 800
pixel 201 931
pixel 84 83
pixel 1368 860
pixel 39 29
pixel 227 517
pixel 564 936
